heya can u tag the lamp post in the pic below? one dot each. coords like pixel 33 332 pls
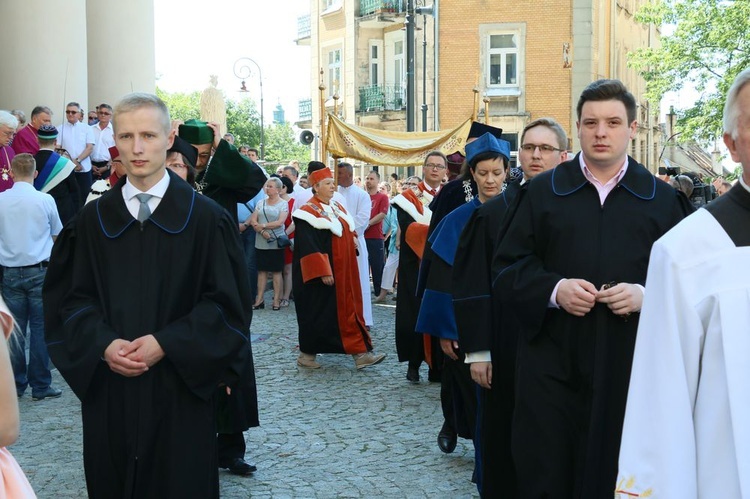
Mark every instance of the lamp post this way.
pixel 409 23
pixel 242 71
pixel 426 10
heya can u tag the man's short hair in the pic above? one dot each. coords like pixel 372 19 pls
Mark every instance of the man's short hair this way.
pixel 257 153
pixel 435 153
pixel 23 165
pixel 230 134
pixel 346 165
pixel 374 172
pixel 314 166
pixel 74 104
pixel 40 110
pixel 139 100
pixel 46 142
pixel 8 120
pixel 731 109
pixel 562 137
pixel 291 169
pixel 602 90
pixel 104 106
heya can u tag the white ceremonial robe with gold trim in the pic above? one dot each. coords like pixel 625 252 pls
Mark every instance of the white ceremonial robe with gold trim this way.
pixel 687 424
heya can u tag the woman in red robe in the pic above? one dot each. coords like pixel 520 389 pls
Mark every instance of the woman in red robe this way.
pixel 327 293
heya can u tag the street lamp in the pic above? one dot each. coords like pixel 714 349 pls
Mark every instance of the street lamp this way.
pixel 425 10
pixel 242 71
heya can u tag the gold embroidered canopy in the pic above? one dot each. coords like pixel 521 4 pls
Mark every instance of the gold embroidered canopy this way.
pixel 382 147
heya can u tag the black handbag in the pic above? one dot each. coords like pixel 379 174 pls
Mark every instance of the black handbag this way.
pixel 282 241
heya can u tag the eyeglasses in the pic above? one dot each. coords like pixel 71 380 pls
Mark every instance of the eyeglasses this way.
pixel 104 113
pixel 435 166
pixel 177 165
pixel 544 148
pixel 8 133
pixel 71 112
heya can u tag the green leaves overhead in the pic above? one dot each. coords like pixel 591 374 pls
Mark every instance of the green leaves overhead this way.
pixel 707 48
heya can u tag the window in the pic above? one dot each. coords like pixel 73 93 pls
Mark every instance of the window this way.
pixel 334 71
pixel 503 59
pixel 376 62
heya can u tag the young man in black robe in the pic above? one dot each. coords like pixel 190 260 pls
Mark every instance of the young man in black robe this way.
pixel 571 265
pixel 147 311
pixel 489 342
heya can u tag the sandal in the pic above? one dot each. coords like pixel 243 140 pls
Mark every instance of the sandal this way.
pixel 275 307
pixel 284 303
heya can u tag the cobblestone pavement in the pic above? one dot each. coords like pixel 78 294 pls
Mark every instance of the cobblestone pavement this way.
pixel 331 432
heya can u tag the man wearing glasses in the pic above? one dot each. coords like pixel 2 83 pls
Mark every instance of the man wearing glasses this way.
pixel 78 139
pixel 435 167
pixel 104 139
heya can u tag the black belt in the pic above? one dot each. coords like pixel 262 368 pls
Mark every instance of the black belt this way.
pixel 99 163
pixel 40 265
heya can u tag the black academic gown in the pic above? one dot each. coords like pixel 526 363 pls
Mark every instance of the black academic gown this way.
pixel 65 193
pixel 229 179
pixel 573 372
pixel 180 276
pixel 480 328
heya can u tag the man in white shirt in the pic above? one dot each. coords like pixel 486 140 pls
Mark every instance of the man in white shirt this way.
pixel 28 225
pixel 687 422
pixel 78 139
pixel 101 162
pixel 359 206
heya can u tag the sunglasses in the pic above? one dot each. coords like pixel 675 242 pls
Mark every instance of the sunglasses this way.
pixel 71 112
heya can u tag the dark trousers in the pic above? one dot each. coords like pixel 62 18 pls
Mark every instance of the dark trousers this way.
pixel 248 245
pixel 84 180
pixel 376 256
pixel 230 446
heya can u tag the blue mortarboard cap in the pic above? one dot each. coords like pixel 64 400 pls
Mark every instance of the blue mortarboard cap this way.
pixel 487 143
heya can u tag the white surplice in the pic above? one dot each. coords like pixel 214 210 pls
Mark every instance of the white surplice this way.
pixel 687 423
pixel 359 205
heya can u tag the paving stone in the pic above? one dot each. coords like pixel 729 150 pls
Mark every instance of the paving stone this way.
pixel 330 432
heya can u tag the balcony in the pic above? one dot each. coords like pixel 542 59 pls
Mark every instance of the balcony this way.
pixel 305 110
pixel 303 30
pixel 375 98
pixel 380 13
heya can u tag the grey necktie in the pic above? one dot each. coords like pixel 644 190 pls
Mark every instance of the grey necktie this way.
pixel 143 210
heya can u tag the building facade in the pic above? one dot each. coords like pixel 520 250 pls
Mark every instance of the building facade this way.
pixel 519 61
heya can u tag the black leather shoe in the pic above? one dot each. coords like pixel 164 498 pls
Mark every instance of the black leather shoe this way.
pixel 447 439
pixel 412 375
pixel 48 393
pixel 238 466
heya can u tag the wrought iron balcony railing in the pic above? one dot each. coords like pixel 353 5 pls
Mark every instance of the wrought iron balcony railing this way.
pixel 305 109
pixel 382 98
pixel 367 7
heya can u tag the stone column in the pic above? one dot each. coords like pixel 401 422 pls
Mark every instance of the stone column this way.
pixel 121 56
pixel 43 55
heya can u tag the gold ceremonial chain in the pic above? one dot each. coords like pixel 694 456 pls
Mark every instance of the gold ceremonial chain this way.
pixel 6 170
pixel 320 211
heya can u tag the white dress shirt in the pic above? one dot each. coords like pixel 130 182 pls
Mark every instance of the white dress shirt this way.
pixel 74 138
pixel 129 192
pixel 104 139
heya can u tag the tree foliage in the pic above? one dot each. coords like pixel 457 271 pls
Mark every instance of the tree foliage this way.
pixel 283 146
pixel 243 119
pixel 708 48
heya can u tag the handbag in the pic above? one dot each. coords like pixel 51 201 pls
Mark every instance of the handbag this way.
pixel 13 483
pixel 282 241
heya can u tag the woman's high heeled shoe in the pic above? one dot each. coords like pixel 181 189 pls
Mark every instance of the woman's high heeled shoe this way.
pixel 275 307
pixel 259 306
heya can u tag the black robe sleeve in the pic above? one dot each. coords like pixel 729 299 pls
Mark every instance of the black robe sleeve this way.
pixel 231 178
pixel 207 343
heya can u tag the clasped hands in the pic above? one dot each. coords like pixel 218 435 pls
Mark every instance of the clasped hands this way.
pixel 578 297
pixel 133 358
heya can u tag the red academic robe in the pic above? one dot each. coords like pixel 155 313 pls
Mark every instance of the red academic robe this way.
pixel 330 318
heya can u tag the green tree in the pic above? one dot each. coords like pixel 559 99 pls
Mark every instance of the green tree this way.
pixel 708 48
pixel 243 121
pixel 181 106
pixel 283 146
